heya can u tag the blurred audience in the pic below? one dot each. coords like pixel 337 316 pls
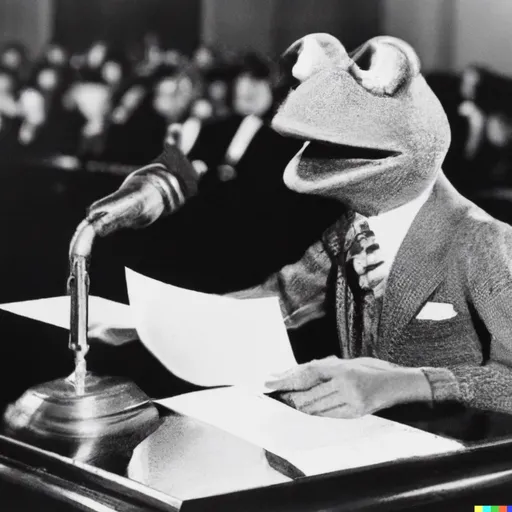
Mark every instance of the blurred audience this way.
pixel 113 107
pixel 108 108
pixel 479 107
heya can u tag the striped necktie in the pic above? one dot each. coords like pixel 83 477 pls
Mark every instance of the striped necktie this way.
pixel 367 278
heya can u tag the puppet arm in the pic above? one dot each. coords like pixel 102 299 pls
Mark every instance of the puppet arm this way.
pixel 490 280
pixel 174 162
pixel 300 287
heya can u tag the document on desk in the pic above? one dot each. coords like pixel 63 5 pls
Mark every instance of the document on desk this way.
pixel 218 341
pixel 210 340
pixel 311 444
pixel 56 311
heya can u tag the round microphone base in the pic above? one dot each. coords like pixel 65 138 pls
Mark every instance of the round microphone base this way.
pixel 112 415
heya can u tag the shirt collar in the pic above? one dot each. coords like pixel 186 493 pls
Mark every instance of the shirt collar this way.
pixel 391 227
pixel 404 214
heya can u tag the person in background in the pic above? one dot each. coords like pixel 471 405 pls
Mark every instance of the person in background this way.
pixel 252 89
pixel 33 116
pixel 475 92
pixel 174 93
pixel 94 97
pixel 45 128
pixel 91 100
pixel 56 55
pixel 218 90
pixel 90 65
pixel 129 101
pixel 204 58
pixel 8 94
pixel 51 81
pixel 9 112
pixel 97 54
pixel 127 123
pixel 147 110
pixel 238 142
pixel 472 81
pixel 486 118
pixel 499 135
pixel 172 57
pixel 14 58
pixel 152 56
pixel 115 70
pixel 116 73
pixel 495 192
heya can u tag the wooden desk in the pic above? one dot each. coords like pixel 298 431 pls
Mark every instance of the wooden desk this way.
pixel 202 460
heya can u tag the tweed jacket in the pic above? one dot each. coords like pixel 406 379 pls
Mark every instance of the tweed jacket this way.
pixel 453 253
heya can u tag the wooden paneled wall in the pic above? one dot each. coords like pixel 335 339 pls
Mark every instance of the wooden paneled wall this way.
pixel 270 26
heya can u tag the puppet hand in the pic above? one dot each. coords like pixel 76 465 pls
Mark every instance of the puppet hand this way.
pixel 349 388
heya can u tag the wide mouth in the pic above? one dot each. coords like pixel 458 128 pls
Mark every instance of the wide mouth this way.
pixel 328 151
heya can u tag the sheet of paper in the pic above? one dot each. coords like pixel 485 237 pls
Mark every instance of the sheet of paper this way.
pixel 313 444
pixel 56 311
pixel 207 339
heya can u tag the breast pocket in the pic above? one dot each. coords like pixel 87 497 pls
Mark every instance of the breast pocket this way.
pixel 436 342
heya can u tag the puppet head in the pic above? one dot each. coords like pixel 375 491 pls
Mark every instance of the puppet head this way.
pixel 375 134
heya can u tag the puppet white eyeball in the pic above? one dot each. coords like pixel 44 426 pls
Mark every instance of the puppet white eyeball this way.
pixel 390 67
pixel 316 52
pixel 310 57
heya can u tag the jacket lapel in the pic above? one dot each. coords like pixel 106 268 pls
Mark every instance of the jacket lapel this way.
pixel 420 263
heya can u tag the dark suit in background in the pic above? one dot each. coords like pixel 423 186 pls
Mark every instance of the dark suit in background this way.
pixel 232 234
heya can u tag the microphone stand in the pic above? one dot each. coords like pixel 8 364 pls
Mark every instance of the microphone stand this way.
pixel 84 414
pixel 78 289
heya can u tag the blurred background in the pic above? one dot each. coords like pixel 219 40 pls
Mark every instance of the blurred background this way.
pixel 90 89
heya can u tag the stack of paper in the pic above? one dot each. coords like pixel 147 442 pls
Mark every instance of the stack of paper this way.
pixel 207 339
pixel 313 444
pixel 217 341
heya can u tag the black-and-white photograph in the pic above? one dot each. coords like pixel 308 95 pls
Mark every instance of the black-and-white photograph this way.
pixel 256 255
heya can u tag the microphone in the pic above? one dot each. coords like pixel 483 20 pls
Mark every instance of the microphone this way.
pixel 155 190
pixel 147 194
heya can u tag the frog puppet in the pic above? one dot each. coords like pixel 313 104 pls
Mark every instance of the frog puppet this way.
pixel 420 278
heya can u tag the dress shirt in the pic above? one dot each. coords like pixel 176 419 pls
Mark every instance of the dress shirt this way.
pixel 246 132
pixel 391 227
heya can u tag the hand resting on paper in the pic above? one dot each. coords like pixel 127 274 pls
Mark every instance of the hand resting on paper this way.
pixel 349 388
pixel 111 335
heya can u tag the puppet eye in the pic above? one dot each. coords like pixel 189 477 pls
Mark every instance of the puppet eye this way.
pixel 285 78
pixel 384 64
pixel 313 53
pixel 311 58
